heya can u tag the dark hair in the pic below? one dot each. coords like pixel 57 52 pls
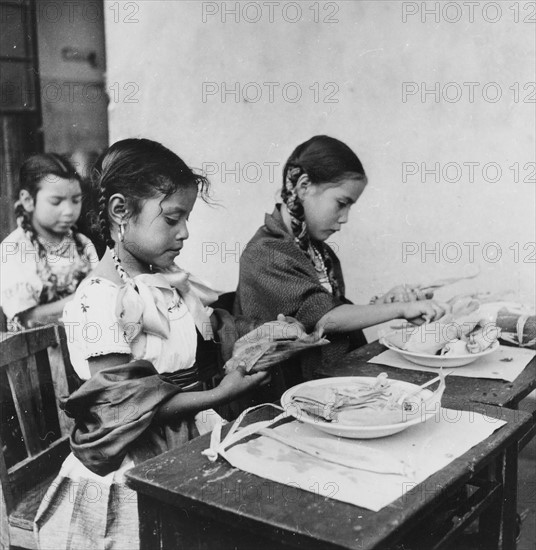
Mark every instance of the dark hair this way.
pixel 139 169
pixel 33 171
pixel 325 160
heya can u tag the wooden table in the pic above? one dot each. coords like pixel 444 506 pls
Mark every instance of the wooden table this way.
pixel 185 501
pixel 460 391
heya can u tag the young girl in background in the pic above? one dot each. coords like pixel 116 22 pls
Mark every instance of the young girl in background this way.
pixel 132 336
pixel 288 268
pixel 45 258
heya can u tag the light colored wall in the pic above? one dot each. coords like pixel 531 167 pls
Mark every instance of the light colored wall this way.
pixel 368 54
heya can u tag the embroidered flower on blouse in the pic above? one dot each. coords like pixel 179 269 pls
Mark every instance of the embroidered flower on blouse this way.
pixel 174 304
pixel 83 307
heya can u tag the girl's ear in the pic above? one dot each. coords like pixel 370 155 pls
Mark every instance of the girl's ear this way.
pixel 117 208
pixel 26 200
pixel 302 186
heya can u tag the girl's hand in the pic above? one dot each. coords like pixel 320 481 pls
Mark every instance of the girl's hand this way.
pixel 419 312
pixel 237 382
pixel 402 293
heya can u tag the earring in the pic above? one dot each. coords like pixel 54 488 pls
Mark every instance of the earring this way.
pixel 121 231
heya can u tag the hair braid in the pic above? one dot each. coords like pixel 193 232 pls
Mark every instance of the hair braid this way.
pixel 104 223
pixel 295 206
pixel 80 245
pixel 25 221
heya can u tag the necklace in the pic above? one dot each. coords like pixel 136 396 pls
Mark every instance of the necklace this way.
pixel 321 269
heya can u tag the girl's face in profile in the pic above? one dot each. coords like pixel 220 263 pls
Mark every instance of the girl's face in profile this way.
pixel 56 207
pixel 156 235
pixel 327 206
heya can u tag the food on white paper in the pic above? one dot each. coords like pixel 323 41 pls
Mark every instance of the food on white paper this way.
pixel 467 328
pixel 381 402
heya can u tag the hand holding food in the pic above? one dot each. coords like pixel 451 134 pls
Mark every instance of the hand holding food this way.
pixel 423 311
pixel 466 328
pixel 236 382
pixel 270 344
pixel 402 293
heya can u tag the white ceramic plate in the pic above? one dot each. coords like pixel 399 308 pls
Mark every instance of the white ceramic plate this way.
pixel 437 361
pixel 358 431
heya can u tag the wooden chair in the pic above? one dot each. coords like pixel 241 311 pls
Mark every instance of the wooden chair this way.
pixel 32 443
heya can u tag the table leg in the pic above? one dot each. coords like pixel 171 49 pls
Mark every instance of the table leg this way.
pixel 489 523
pixel 509 517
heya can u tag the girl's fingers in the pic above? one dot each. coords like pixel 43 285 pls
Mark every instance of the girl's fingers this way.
pixel 440 309
pixel 259 377
pixel 418 294
pixel 429 315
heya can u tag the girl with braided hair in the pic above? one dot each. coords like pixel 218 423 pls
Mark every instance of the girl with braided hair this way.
pixel 288 268
pixel 45 258
pixel 138 329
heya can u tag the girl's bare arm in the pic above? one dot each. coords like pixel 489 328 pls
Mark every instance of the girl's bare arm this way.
pixel 350 317
pixel 233 385
pixel 43 314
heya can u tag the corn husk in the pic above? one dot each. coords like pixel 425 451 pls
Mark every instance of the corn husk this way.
pixel 259 354
pixel 366 404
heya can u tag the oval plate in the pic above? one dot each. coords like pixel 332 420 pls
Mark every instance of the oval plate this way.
pixel 355 431
pixel 438 361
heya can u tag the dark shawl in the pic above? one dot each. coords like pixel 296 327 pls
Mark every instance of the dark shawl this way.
pixel 114 412
pixel 277 277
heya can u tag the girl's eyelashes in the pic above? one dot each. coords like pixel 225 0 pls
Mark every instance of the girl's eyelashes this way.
pixel 57 202
pixel 171 221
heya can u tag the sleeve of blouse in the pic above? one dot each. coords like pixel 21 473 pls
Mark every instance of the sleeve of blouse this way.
pixel 20 286
pixel 273 280
pixel 91 321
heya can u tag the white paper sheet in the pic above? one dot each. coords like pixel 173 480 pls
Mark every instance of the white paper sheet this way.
pixel 425 448
pixel 506 363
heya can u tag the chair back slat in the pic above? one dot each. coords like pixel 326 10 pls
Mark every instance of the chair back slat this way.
pixel 19 345
pixel 41 339
pixel 24 475
pixel 26 400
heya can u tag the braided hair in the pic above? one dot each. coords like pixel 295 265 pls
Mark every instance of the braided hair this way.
pixel 139 169
pixel 324 160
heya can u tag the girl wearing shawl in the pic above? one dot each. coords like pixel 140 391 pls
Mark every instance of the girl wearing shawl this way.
pixel 288 268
